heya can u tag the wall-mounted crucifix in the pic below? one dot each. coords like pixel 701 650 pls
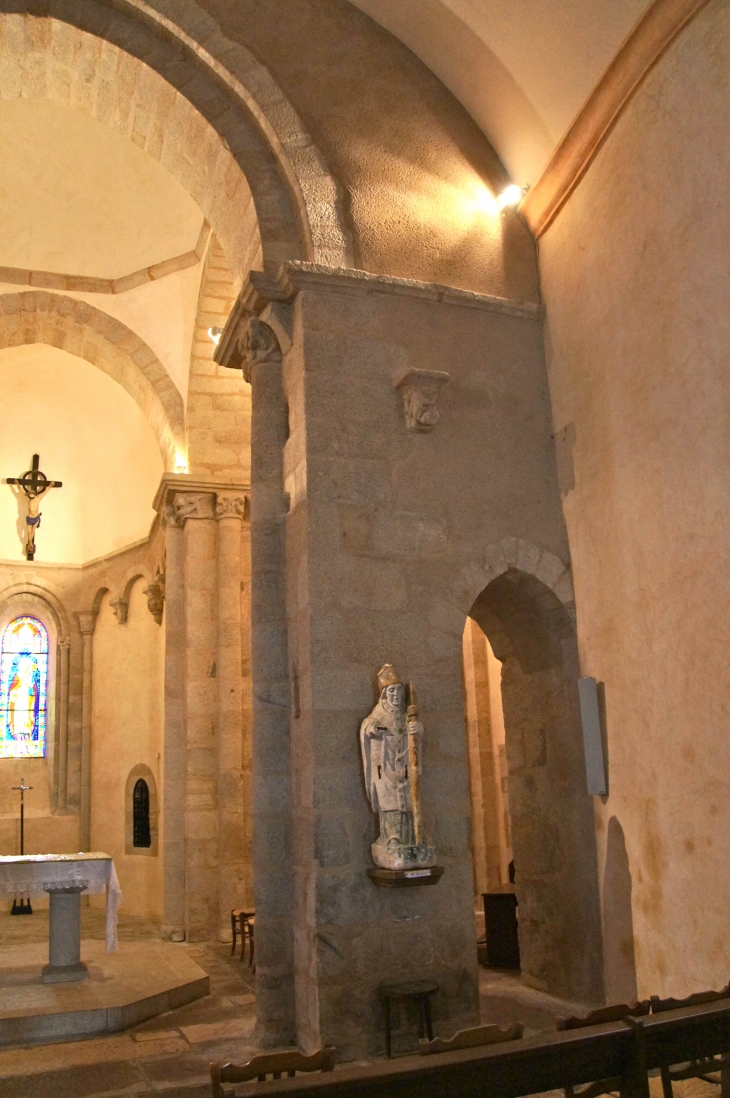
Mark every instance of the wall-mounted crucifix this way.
pixel 35 484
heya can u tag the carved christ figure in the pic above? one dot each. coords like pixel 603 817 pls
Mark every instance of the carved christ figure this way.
pixel 33 519
pixel 386 754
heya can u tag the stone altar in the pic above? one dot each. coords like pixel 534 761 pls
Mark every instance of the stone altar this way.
pixel 390 739
pixel 64 877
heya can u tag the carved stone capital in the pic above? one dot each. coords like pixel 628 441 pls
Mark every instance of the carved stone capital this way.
pixel 64 642
pixel 192 505
pixel 120 606
pixel 87 620
pixel 420 390
pixel 256 346
pixel 228 505
pixel 169 517
pixel 247 342
pixel 156 597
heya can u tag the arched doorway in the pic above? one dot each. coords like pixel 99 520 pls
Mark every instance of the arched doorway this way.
pixel 551 831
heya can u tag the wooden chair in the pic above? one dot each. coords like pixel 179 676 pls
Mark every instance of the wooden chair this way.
pixel 242 920
pixel 471 1038
pixel 700 1068
pixel 617 1012
pixel 275 1064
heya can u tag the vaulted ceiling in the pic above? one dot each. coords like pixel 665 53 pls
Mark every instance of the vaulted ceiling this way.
pixel 522 68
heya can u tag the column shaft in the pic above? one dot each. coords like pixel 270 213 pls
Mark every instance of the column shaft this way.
pixel 87 621
pixel 231 876
pixel 173 793
pixel 201 801
pixel 62 747
pixel 272 845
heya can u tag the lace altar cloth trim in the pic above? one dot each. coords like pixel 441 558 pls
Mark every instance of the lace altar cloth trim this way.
pixel 66 886
pixel 33 874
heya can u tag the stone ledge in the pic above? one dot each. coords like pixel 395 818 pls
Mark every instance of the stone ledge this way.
pixel 298 275
pixel 139 981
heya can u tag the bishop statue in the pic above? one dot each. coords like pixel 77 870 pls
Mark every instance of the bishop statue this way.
pixel 390 739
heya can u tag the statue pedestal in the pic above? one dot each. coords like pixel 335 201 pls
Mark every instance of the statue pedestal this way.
pixel 406 878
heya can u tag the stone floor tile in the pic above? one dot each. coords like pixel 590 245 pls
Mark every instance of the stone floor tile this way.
pixel 201 1090
pixel 155 1035
pixel 150 1050
pixel 84 1081
pixel 214 1031
pixel 188 1070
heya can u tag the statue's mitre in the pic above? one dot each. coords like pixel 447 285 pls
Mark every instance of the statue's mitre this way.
pixel 387 676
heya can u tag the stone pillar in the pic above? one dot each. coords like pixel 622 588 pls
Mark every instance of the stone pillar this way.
pixel 229 512
pixel 206 676
pixel 174 754
pixel 251 345
pixel 372 540
pixel 64 935
pixel 64 644
pixel 196 511
pixel 87 623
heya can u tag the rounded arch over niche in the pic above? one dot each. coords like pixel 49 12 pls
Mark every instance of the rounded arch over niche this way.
pixel 37 316
pixel 228 139
pixel 44 591
pixel 532 633
pixel 138 773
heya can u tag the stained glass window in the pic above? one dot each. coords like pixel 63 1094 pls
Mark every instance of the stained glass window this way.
pixel 23 689
pixel 141 814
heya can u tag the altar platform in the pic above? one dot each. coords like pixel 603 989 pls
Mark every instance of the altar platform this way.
pixel 139 981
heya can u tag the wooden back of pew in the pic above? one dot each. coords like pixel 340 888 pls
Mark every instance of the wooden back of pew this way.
pixel 533 1064
pixel 471 1038
pixel 271 1063
pixel 659 1005
pixel 615 1013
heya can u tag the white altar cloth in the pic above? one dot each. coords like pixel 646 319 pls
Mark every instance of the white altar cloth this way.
pixel 32 873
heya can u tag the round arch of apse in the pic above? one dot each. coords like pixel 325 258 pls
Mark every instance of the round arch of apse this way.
pixel 224 130
pixel 37 316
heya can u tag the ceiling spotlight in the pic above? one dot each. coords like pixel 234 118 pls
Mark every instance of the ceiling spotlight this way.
pixel 215 334
pixel 510 196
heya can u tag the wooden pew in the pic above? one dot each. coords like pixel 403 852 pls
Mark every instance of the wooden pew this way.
pixel 534 1064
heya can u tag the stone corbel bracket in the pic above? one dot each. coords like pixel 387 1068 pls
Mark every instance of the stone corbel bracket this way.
pixel 155 593
pixel 420 390
pixel 259 328
pixel 120 606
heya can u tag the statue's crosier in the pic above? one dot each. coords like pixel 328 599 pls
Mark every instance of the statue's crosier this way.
pixel 391 738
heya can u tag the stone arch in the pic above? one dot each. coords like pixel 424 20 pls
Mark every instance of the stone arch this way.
pixel 532 632
pixel 37 316
pixel 223 129
pixel 120 604
pixel 31 584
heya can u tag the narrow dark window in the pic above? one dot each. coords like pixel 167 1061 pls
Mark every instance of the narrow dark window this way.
pixel 141 814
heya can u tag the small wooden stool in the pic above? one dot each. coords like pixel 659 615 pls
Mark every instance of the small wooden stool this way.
pixel 242 919
pixel 421 991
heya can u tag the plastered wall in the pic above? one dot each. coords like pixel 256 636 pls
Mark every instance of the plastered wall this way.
pixel 635 275
pixel 92 437
pixel 127 721
pixel 415 169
